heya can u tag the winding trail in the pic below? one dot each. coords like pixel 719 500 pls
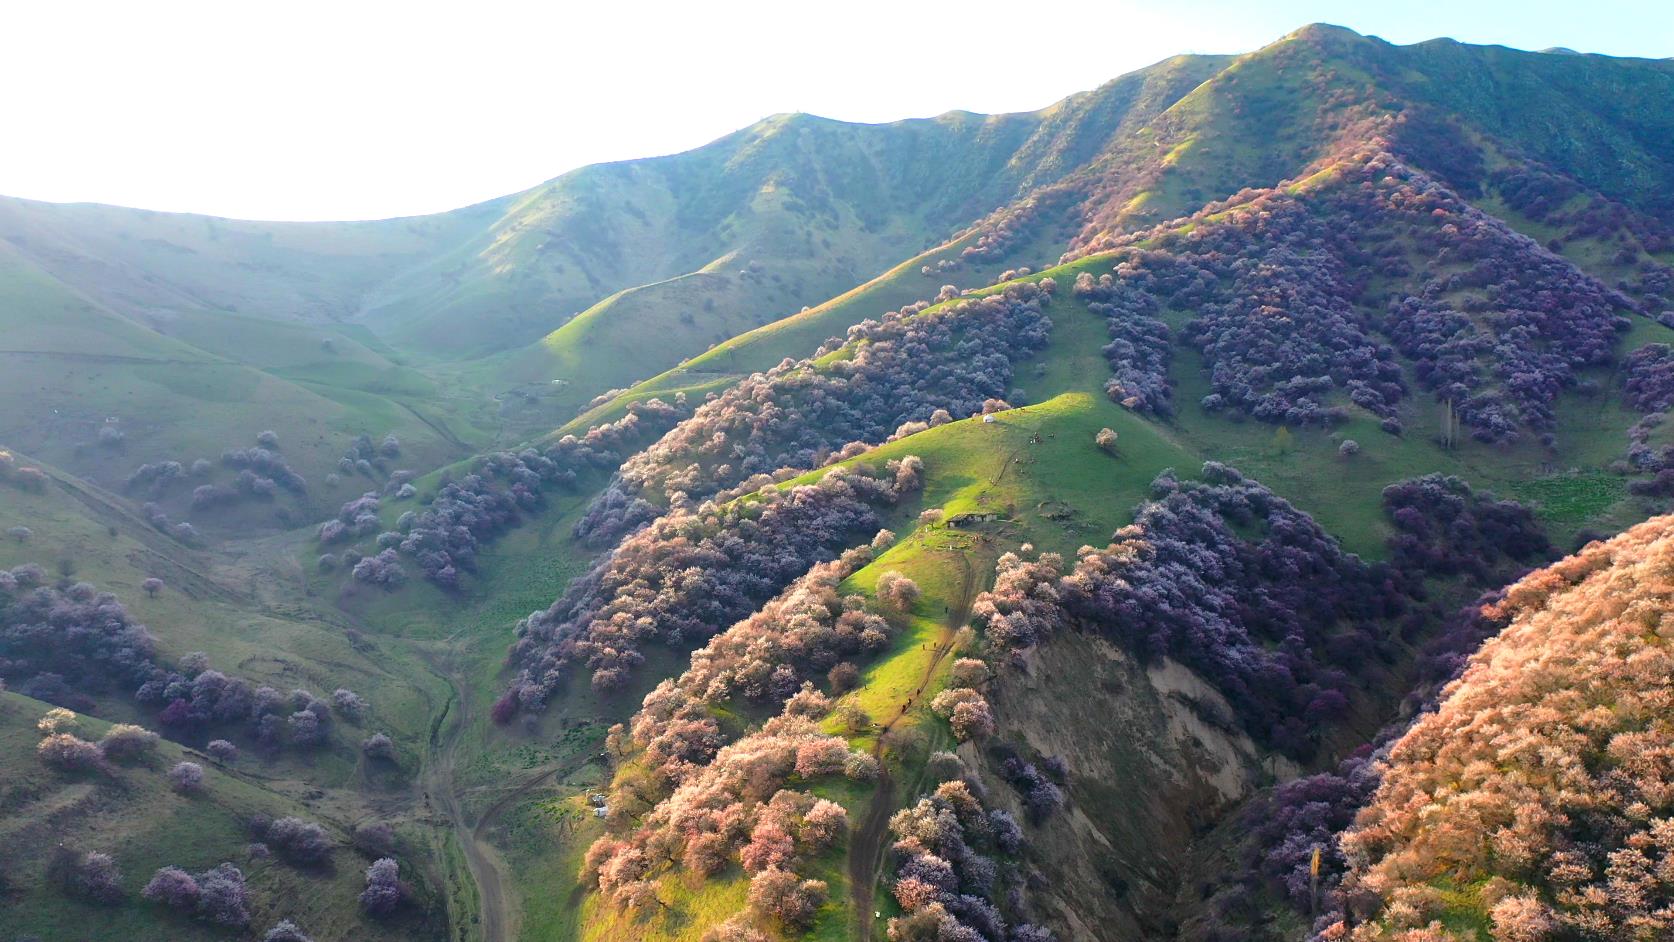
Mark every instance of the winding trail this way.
pixel 868 843
pixel 496 915
pixel 494 912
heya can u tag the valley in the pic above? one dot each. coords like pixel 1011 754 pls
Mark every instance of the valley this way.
pixel 992 528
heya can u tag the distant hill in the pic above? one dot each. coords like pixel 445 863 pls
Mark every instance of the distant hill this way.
pixel 810 204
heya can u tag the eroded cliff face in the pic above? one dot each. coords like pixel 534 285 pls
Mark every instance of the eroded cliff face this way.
pixel 1155 761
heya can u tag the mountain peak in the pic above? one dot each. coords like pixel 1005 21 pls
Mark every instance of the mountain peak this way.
pixel 1317 31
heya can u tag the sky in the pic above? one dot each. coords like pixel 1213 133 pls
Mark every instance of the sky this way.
pixel 358 109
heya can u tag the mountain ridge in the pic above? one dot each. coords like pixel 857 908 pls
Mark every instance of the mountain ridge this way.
pixel 1049 520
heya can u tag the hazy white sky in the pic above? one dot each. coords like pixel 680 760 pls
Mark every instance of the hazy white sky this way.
pixel 357 109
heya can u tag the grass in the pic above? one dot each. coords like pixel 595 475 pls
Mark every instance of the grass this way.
pixel 189 408
pixel 1035 469
pixel 131 813
pixel 189 375
pixel 264 633
pixel 249 626
pixel 629 336
pixel 794 336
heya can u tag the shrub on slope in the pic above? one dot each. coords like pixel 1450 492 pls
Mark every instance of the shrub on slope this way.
pixel 1272 620
pixel 1231 580
pixel 1536 800
pixel 692 573
pixel 901 368
pixel 1301 295
pixel 62 643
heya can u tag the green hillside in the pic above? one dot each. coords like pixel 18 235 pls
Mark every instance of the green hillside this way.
pixel 131 813
pixel 1315 272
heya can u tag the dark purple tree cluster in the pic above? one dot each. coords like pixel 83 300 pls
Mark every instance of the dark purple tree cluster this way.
pixel 950 865
pixel 206 496
pixel 217 895
pixel 1139 341
pixel 1655 289
pixel 1309 813
pixel 1443 654
pixel 445 536
pixel 1277 321
pixel 1274 620
pixel 350 705
pixel 385 891
pixel 62 643
pixel 1644 456
pixel 1561 202
pixel 693 573
pixel 799 414
pixel 368 459
pixel 267 471
pixel 1444 528
pixel 91 875
pixel 378 746
pixel 195 698
pixel 381 569
pixel 1659 485
pixel 1277 621
pixel 1648 378
pixel 303 843
pixel 1496 325
pixel 186 778
pixel 357 517
pixel 154 479
pixel 159 518
pixel 1500 325
pixel 1287 336
pixel 1038 785
pixel 1285 826
pixel 612 514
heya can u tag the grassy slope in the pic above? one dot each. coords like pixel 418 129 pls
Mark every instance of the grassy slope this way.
pixel 132 814
pixel 1596 118
pixel 645 328
pixel 251 626
pixel 234 608
pixel 1038 469
pixel 817 204
pixel 203 383
pixel 142 263
pixel 1058 491
pixel 797 335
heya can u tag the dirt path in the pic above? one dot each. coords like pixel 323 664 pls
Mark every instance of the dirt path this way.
pixel 870 839
pixel 494 913
pixel 435 425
